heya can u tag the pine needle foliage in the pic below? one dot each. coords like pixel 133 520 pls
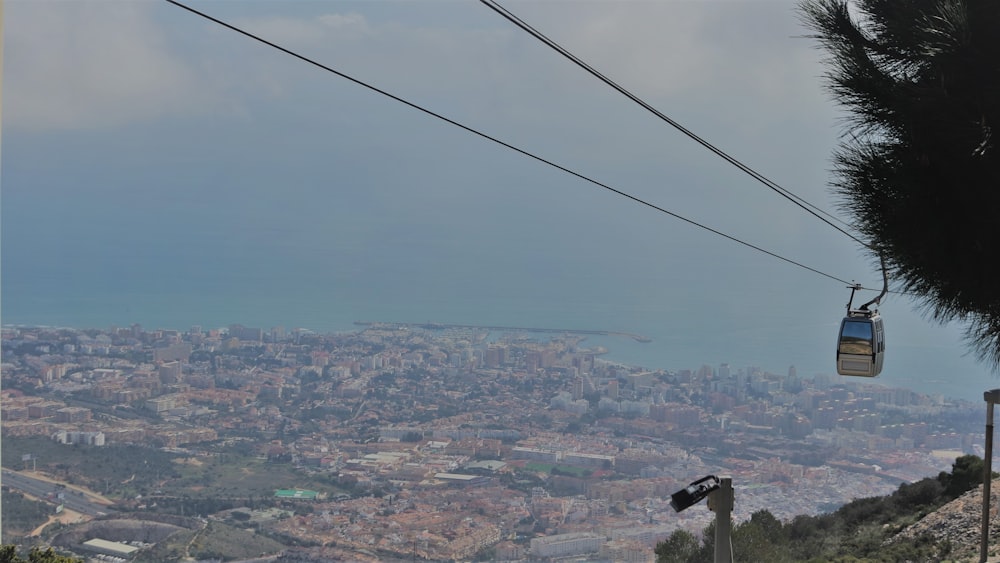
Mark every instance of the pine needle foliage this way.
pixel 918 167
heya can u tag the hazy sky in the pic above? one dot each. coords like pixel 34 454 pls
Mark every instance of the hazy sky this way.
pixel 158 168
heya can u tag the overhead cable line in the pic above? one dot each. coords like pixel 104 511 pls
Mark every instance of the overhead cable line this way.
pixel 492 4
pixel 498 141
pixel 784 192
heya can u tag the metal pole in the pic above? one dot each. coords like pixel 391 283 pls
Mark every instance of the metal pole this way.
pixel 721 502
pixel 991 398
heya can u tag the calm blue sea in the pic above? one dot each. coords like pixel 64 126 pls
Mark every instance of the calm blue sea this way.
pixel 920 356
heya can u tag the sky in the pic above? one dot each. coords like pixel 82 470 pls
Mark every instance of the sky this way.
pixel 161 169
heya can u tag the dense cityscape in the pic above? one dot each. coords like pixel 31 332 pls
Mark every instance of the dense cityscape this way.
pixel 447 443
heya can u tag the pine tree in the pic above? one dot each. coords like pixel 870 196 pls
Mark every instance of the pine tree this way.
pixel 918 169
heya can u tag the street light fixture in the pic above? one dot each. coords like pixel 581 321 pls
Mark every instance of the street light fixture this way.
pixel 719 491
pixel 693 493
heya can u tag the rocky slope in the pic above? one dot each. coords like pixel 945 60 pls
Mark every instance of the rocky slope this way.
pixel 959 522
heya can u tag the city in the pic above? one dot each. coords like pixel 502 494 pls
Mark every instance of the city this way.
pixel 434 442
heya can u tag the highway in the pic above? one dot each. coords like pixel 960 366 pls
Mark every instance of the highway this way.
pixel 72 499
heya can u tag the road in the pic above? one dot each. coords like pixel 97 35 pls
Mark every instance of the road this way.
pixel 73 499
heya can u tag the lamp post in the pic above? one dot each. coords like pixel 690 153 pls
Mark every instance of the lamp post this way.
pixel 720 501
pixel 719 491
pixel 991 397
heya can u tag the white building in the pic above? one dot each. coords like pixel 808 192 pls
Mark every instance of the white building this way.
pixel 562 545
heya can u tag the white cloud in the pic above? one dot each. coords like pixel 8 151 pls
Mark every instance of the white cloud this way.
pixel 72 65
pixel 301 32
pixel 344 21
pixel 660 49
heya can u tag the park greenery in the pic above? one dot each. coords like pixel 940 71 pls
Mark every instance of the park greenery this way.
pixel 858 531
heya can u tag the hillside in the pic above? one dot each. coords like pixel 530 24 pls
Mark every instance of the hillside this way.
pixel 934 519
pixel 958 523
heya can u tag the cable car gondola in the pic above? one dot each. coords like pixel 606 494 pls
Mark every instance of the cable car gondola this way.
pixel 861 343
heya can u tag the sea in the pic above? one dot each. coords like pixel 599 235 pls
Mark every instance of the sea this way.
pixel 682 334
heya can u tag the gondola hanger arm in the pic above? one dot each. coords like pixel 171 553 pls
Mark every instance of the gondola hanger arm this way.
pixel 885 285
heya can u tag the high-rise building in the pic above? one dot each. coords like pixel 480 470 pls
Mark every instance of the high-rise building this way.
pixel 277 333
pixel 169 372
